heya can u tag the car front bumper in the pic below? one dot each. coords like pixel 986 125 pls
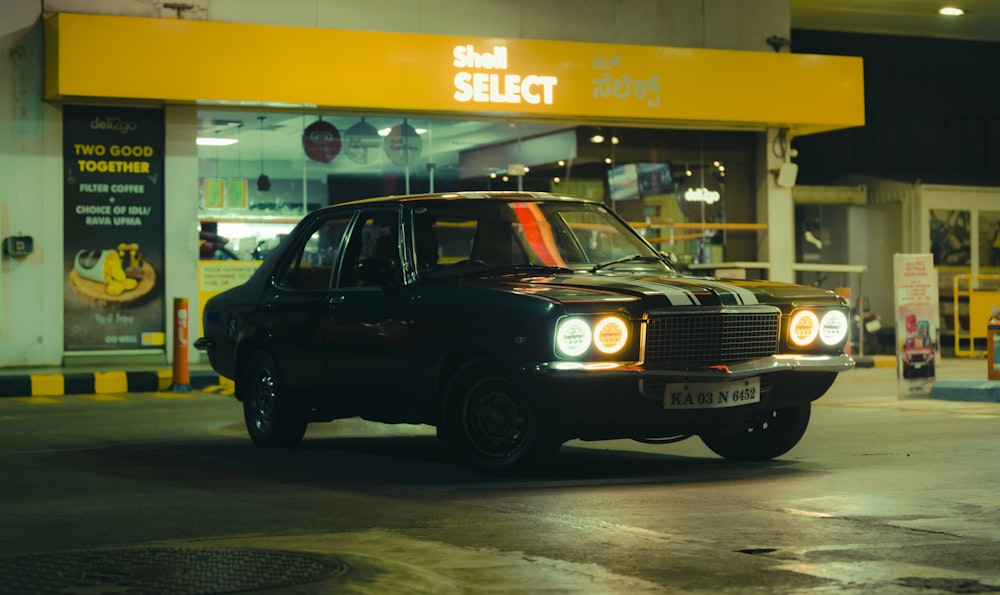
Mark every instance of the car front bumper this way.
pixel 617 400
pixel 756 367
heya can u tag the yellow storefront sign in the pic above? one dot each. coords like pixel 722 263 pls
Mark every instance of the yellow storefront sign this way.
pixel 181 61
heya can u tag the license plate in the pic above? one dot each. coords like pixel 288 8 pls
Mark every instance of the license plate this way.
pixel 712 395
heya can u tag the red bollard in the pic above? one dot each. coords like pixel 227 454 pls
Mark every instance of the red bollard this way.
pixel 182 376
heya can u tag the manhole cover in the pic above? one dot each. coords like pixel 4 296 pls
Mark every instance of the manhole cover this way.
pixel 162 570
pixel 948 585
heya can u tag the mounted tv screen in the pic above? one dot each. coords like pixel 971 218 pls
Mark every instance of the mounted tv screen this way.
pixel 637 180
pixel 624 182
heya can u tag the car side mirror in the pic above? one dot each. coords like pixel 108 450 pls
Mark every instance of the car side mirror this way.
pixel 383 272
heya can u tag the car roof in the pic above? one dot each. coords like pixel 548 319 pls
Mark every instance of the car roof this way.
pixel 498 195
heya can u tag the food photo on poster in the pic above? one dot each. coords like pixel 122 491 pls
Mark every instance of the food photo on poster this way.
pixel 113 228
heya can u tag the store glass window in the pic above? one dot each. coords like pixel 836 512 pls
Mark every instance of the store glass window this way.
pixel 260 172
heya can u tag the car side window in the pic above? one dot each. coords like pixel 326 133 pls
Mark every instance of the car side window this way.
pixel 442 240
pixel 375 237
pixel 313 264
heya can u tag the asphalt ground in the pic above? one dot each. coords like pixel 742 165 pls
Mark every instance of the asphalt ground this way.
pixel 163 493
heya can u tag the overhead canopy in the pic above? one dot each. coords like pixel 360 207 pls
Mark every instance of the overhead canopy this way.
pixel 100 58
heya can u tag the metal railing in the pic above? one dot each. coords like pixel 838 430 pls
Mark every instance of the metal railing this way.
pixel 982 293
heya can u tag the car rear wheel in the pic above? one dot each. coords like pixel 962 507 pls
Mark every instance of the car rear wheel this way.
pixel 271 420
pixel 760 438
pixel 493 426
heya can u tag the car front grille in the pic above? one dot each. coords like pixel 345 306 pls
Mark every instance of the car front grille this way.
pixel 715 337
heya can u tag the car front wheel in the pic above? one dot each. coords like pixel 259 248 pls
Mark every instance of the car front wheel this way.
pixel 494 427
pixel 760 438
pixel 271 420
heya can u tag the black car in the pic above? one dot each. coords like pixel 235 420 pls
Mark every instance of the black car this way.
pixel 513 322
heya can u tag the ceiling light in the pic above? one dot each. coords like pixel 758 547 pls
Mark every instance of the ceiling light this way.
pixel 386 131
pixel 208 141
pixel 597 139
pixel 614 140
pixel 951 11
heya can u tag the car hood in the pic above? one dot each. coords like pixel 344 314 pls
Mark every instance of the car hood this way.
pixel 665 291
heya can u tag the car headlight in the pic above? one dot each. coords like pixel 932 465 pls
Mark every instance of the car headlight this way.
pixel 803 328
pixel 576 336
pixel 833 328
pixel 573 336
pixel 806 327
pixel 610 335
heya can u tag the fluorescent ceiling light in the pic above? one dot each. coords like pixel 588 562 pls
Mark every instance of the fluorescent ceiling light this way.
pixel 209 141
pixel 951 11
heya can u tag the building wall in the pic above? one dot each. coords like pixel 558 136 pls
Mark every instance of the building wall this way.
pixel 31 288
pixel 720 24
pixel 30 200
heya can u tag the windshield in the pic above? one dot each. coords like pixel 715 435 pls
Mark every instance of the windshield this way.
pixel 502 235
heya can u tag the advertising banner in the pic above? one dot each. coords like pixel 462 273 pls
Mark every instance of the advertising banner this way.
pixel 113 228
pixel 917 350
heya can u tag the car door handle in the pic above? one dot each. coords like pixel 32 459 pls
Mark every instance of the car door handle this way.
pixel 335 300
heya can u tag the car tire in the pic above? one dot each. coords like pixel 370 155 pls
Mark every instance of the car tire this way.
pixel 271 420
pixel 493 426
pixel 761 438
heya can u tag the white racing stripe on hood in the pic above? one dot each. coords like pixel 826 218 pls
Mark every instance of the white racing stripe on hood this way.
pixel 678 296
pixel 681 296
pixel 744 297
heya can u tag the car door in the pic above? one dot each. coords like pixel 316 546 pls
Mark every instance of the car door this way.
pixel 297 305
pixel 370 330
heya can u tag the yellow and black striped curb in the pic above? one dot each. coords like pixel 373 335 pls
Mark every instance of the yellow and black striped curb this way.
pixel 875 361
pixel 87 383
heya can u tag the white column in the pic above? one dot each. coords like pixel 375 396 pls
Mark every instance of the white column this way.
pixel 181 220
pixel 775 207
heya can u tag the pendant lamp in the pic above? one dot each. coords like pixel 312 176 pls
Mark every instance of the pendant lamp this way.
pixel 359 140
pixel 263 182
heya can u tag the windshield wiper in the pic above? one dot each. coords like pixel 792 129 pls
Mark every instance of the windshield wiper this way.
pixel 502 269
pixel 478 267
pixel 632 258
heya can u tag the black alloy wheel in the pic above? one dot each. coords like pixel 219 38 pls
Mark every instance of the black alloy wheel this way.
pixel 494 426
pixel 271 420
pixel 761 438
